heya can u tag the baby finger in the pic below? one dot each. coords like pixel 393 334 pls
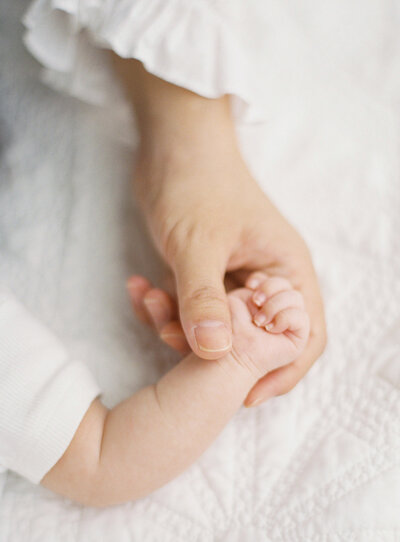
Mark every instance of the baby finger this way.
pixel 293 320
pixel 277 303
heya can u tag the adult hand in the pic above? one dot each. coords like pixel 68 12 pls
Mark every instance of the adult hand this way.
pixel 245 234
pixel 209 219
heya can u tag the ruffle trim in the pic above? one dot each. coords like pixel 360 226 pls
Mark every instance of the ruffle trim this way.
pixel 181 41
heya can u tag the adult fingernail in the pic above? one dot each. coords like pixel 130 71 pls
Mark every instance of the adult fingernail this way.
pixel 259 298
pixel 260 319
pixel 212 336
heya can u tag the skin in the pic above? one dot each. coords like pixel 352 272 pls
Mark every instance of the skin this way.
pixel 126 453
pixel 211 221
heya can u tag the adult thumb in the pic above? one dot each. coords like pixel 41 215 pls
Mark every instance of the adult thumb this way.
pixel 203 303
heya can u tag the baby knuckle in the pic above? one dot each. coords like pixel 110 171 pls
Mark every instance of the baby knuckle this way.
pixel 298 298
pixel 270 308
pixel 276 284
pixel 283 320
pixel 259 275
pixel 285 283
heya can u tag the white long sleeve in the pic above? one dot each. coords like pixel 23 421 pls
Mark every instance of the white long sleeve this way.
pixel 43 393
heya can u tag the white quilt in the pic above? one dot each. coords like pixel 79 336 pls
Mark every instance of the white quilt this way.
pixel 321 464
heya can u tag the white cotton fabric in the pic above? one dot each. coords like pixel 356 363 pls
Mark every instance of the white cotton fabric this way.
pixel 43 393
pixel 320 464
pixel 189 43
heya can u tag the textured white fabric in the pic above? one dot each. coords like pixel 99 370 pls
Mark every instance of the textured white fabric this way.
pixel 43 393
pixel 320 464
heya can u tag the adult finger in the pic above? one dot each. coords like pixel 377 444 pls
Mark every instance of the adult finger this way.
pixel 203 304
pixel 173 335
pixel 160 306
pixel 284 379
pixel 137 287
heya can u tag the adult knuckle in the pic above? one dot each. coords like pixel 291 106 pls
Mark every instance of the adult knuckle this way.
pixel 207 296
pixel 176 239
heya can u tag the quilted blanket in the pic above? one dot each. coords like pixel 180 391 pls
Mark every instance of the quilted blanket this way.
pixel 320 464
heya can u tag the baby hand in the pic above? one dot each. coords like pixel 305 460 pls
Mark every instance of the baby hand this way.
pixel 270 325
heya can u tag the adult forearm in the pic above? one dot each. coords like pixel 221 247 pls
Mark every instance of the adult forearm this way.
pixel 170 117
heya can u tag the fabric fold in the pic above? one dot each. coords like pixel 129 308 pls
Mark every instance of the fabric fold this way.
pixel 186 43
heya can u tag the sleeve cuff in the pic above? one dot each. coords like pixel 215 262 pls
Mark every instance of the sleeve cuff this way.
pixel 43 393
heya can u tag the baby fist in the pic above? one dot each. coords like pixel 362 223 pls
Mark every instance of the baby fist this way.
pixel 270 326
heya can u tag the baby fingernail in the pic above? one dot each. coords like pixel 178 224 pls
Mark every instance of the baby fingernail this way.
pixel 212 336
pixel 253 283
pixel 259 298
pixel 269 326
pixel 260 319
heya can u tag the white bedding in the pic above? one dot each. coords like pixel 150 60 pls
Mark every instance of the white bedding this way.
pixel 319 464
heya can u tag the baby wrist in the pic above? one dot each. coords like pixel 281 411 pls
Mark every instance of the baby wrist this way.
pixel 239 370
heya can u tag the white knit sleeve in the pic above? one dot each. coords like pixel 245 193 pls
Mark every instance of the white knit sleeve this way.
pixel 43 393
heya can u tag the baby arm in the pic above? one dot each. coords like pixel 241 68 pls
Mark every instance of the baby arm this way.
pixel 151 437
pixel 127 452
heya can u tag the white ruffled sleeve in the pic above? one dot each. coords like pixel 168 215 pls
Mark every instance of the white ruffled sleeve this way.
pixel 44 394
pixel 185 42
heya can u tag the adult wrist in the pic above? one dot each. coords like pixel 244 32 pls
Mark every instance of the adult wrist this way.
pixel 170 117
